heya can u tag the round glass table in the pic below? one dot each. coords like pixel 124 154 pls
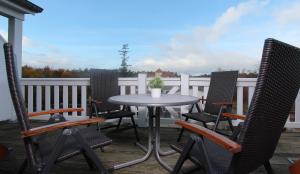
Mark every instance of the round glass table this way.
pixel 153 105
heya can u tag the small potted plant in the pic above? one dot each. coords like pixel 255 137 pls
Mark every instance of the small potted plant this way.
pixel 156 84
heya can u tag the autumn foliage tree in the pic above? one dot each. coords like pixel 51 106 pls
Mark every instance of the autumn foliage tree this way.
pixel 47 72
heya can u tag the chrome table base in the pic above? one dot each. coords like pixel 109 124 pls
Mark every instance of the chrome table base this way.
pixel 153 143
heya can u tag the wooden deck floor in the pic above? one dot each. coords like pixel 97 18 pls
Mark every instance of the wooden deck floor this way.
pixel 123 149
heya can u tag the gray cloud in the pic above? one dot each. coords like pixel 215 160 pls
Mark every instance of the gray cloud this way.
pixel 195 52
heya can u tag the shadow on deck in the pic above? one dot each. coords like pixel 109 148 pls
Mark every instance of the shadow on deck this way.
pixel 123 149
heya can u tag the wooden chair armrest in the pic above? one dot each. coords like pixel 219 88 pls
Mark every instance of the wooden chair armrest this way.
pixel 234 116
pixel 53 127
pixel 54 111
pixel 219 139
pixel 222 103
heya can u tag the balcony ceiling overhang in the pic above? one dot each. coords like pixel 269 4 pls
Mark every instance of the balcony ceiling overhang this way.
pixel 17 8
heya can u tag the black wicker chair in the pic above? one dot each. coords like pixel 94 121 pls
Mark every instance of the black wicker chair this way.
pixel 276 90
pixel 49 144
pixel 7 160
pixel 104 84
pixel 219 100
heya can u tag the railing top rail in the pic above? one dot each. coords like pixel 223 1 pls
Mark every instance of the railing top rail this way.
pixel 56 81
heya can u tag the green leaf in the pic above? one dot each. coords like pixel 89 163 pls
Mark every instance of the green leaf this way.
pixel 156 82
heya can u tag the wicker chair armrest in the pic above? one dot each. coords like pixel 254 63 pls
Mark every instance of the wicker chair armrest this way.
pixel 219 139
pixel 234 116
pixel 61 125
pixel 54 111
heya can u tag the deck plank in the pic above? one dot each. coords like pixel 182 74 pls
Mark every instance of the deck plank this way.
pixel 123 149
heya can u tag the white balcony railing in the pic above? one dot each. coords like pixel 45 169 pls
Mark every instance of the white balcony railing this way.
pixel 53 93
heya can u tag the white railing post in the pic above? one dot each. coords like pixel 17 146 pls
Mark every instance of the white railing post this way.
pixel 250 94
pixel 184 84
pixel 47 98
pixel 30 98
pixel 205 92
pixel 83 100
pixel 297 109
pixel 56 97
pixel 142 84
pixel 123 90
pixel 132 89
pixel 184 89
pixel 38 98
pixel 74 99
pixel 239 107
pixel 195 91
pixel 142 111
pixel 65 99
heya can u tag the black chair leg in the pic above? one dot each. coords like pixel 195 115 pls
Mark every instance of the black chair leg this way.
pixel 89 152
pixel 268 168
pixel 119 123
pixel 180 134
pixel 88 160
pixel 230 125
pixel 181 131
pixel 23 166
pixel 184 155
pixel 135 130
pixel 56 151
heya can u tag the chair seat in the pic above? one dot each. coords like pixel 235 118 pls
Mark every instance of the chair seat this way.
pixel 219 158
pixel 202 116
pixel 117 114
pixel 93 137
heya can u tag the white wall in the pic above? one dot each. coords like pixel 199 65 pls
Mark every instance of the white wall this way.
pixel 6 109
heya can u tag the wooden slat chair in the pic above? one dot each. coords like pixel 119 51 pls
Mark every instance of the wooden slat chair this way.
pixel 49 144
pixel 219 99
pixel 277 86
pixel 104 84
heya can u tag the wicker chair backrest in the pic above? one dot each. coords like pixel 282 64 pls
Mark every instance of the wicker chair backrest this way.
pixel 104 84
pixel 277 86
pixel 221 89
pixel 17 99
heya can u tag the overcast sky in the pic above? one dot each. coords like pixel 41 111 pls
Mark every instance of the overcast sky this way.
pixel 189 36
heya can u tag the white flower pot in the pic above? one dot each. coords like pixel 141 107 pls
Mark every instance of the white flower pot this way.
pixel 155 92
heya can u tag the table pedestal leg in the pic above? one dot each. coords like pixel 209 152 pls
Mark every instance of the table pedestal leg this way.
pixel 142 147
pixel 157 141
pixel 153 143
pixel 149 149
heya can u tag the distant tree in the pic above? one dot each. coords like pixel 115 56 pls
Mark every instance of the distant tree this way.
pixel 123 70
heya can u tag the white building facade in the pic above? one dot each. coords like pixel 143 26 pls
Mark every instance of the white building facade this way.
pixel 15 12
